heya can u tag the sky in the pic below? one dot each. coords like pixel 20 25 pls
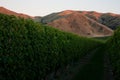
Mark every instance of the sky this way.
pixel 45 7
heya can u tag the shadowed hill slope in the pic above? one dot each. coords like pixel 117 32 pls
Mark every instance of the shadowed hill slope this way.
pixel 109 19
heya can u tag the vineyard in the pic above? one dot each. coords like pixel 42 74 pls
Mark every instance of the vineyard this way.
pixel 31 51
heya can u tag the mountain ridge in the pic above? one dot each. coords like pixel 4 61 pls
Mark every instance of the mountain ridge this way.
pixel 110 20
pixel 75 22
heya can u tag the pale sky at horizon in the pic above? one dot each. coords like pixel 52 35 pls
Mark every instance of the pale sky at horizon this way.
pixel 45 7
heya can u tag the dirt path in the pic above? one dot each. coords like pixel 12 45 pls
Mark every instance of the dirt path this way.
pixel 108 73
pixel 93 66
pixel 94 70
pixel 98 68
pixel 72 70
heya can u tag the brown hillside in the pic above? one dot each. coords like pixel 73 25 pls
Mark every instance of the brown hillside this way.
pixel 75 22
pixel 9 12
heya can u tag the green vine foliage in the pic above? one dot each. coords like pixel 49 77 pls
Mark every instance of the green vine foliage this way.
pixel 113 46
pixel 30 51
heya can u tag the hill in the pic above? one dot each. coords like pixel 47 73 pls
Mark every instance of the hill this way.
pixel 75 22
pixel 9 12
